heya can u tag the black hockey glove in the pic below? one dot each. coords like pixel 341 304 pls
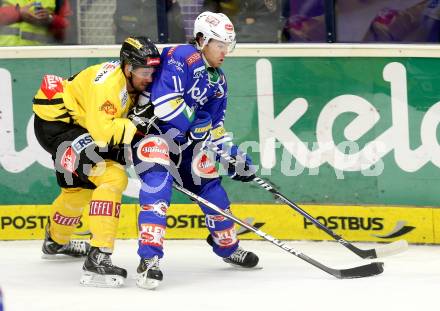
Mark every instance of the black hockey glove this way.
pixel 142 117
pixel 242 169
pixel 121 154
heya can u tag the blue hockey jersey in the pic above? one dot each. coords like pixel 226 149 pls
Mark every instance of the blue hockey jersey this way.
pixel 185 85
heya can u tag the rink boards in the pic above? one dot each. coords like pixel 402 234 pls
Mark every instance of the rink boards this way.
pixel 379 96
pixel 186 221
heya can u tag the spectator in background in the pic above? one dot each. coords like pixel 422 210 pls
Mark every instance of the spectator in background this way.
pixel 139 17
pixel 228 7
pixel 304 21
pixel 430 24
pixel 388 20
pixel 400 25
pixel 259 21
pixel 33 23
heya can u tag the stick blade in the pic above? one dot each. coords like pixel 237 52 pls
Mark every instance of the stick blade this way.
pixel 371 269
pixel 393 248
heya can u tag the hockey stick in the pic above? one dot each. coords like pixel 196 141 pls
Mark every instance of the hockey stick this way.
pixel 386 250
pixel 371 269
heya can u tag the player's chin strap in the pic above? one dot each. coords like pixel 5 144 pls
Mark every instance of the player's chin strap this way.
pixel 370 269
pixel 386 250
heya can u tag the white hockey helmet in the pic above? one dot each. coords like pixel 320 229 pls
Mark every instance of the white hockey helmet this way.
pixel 215 26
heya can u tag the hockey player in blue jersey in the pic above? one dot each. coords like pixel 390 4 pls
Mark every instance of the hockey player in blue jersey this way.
pixel 189 97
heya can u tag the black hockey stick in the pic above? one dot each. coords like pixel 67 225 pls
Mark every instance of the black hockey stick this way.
pixel 371 269
pixel 386 250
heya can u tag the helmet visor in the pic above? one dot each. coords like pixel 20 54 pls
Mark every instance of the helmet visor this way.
pixel 143 72
pixel 226 47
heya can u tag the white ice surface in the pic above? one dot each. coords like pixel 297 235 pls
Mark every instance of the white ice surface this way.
pixel 195 279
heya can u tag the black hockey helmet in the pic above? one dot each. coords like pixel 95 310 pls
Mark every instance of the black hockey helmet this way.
pixel 139 52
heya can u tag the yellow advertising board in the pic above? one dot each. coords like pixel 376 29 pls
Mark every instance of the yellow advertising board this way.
pixel 186 221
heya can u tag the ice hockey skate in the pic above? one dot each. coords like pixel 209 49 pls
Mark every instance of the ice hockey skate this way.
pixel 98 270
pixel 149 274
pixel 54 251
pixel 240 258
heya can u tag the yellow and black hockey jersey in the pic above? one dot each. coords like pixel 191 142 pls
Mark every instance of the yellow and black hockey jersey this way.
pixel 95 99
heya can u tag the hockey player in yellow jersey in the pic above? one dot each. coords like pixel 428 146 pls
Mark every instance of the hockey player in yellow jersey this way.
pixel 82 122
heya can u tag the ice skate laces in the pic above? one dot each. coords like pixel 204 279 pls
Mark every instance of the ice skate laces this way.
pixel 151 263
pixel 239 255
pixel 104 259
pixel 75 247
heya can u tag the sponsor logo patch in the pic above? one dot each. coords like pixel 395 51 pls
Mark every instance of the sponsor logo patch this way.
pixel 203 166
pixel 82 142
pixel 134 42
pixel 171 51
pixel 193 58
pixel 212 219
pixel 212 20
pixel 177 64
pixel 159 208
pixel 155 150
pixel 105 71
pixel 152 234
pixel 117 210
pixel 123 96
pixel 153 61
pixel 65 220
pixel 68 160
pixel 101 208
pixel 51 85
pixel 225 238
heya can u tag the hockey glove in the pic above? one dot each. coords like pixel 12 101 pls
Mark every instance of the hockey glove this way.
pixel 242 169
pixel 142 117
pixel 121 154
pixel 200 129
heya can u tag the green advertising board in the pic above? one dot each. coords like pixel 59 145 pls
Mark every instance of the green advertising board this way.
pixel 346 130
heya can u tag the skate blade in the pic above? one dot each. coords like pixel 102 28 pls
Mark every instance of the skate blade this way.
pixel 241 268
pixel 100 280
pixel 143 282
pixel 61 257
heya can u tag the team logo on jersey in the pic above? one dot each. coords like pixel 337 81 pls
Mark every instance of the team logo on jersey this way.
pixel 51 85
pixel 203 166
pixel 152 234
pixel 108 108
pixel 225 238
pixel 68 160
pixel 154 150
pixel 194 57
